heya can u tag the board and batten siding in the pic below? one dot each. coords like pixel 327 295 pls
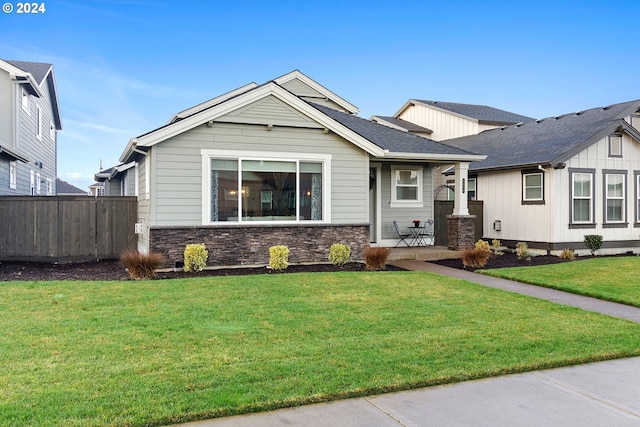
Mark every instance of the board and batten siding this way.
pixel 177 163
pixel 443 124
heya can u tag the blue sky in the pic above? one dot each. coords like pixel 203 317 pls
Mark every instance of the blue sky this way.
pixel 125 67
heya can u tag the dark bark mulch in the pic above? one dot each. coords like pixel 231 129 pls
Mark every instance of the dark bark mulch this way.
pixel 510 259
pixel 113 270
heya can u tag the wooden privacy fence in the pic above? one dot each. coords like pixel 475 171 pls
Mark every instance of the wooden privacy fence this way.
pixel 66 228
pixel 442 208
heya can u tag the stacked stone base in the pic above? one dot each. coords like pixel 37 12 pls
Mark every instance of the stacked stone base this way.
pixel 461 233
pixel 249 244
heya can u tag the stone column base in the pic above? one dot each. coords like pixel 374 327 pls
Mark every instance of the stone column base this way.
pixel 462 231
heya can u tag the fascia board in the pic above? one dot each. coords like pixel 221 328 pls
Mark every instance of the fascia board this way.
pixel 388 124
pixel 436 157
pixel 15 72
pixel 404 107
pixel 444 110
pixel 319 88
pixel 245 99
pixel 56 104
pixel 213 101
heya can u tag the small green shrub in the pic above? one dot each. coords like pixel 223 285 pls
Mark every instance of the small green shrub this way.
pixel 195 257
pixel 476 257
pixel 593 242
pixel 522 251
pixel 279 257
pixel 376 258
pixel 141 266
pixel 339 254
pixel 496 245
pixel 568 254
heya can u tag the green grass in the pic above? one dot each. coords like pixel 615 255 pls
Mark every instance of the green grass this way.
pixel 166 351
pixel 613 279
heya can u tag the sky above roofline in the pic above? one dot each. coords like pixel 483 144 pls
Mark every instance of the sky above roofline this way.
pixel 124 68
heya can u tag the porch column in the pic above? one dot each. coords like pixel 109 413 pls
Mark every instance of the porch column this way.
pixel 461 225
pixel 460 205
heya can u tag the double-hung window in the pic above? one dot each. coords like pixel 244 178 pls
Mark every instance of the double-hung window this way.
pixel 406 186
pixel 614 185
pixel 266 189
pixel 532 187
pixel 582 189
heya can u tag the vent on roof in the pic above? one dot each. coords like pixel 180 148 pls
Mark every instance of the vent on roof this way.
pixel 519 124
pixel 557 117
pixel 607 107
pixel 579 113
pixel 503 127
pixel 539 120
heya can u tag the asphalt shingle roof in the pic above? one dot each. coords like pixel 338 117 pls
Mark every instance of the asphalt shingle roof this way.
pixel 396 141
pixel 63 187
pixel 409 126
pixel 483 113
pixel 38 70
pixel 544 141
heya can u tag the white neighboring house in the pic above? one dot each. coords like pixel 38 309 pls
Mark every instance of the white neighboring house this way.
pixel 550 182
pixel 29 123
pixel 441 121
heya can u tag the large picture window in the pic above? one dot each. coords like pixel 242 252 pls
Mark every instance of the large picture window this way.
pixel 614 197
pixel 582 197
pixel 244 190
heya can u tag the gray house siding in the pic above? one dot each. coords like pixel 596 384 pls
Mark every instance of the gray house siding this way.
pixel 40 153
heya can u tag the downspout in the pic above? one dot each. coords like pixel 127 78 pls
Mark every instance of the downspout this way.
pixel 550 229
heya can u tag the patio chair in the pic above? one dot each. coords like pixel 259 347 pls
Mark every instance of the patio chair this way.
pixel 427 235
pixel 401 236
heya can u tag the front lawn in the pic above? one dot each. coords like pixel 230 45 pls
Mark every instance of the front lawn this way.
pixel 167 351
pixel 609 278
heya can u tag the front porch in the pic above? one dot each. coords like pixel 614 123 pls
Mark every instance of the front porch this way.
pixel 428 253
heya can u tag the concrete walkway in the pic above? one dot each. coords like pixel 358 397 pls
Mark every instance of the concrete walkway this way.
pixel 595 394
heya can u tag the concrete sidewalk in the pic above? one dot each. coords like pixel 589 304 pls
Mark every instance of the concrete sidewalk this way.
pixel 595 394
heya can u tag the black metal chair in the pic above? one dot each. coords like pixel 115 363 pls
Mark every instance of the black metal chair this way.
pixel 427 235
pixel 401 236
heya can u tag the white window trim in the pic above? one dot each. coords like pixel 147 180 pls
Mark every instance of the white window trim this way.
pixel 208 154
pixel 13 174
pixel 524 187
pixel 24 100
pixel 38 122
pixel 395 203
pixel 49 186
pixel 32 182
pixel 52 131
pixel 607 198
pixel 38 183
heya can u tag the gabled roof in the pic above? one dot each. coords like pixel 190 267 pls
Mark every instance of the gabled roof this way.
pixel 377 140
pixel 34 75
pixel 551 141
pixel 481 113
pixel 63 187
pixel 398 143
pixel 400 124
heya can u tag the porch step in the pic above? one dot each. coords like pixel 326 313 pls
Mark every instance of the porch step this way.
pixel 430 253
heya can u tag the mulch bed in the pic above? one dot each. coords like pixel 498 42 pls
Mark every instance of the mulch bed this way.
pixel 113 270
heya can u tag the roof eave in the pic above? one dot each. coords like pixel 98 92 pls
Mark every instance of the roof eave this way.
pixel 435 157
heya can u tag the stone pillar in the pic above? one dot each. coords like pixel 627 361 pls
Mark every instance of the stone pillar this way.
pixel 462 231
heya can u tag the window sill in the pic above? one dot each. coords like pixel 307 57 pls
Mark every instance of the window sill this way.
pixel 616 225
pixel 533 202
pixel 407 205
pixel 577 226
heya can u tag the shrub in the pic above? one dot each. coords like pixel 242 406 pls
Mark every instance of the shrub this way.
pixel 568 254
pixel 141 266
pixel 195 257
pixel 376 258
pixel 522 251
pixel 483 245
pixel 593 242
pixel 279 257
pixel 476 257
pixel 496 244
pixel 339 254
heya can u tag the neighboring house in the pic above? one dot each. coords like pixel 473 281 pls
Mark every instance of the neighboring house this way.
pixel 441 121
pixel 29 122
pixel 65 189
pixel 96 189
pixel 552 181
pixel 286 162
pixel 119 180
